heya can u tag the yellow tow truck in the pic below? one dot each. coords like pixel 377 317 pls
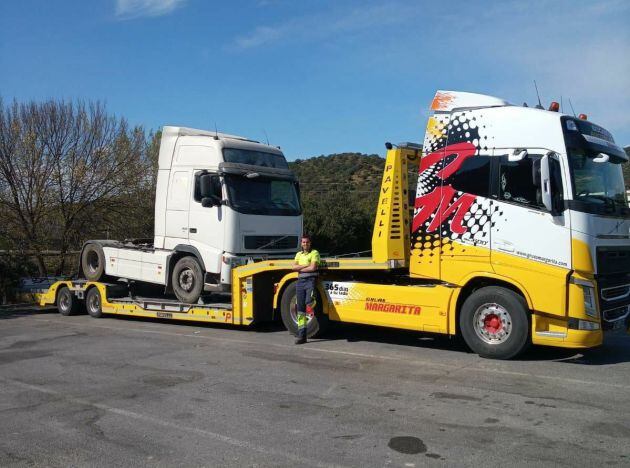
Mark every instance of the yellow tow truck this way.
pixel 507 244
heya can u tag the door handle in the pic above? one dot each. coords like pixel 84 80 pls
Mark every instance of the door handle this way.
pixel 193 230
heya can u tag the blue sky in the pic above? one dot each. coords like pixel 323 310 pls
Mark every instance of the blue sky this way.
pixel 318 77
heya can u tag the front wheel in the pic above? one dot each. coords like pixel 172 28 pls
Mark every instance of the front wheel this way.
pixel 495 323
pixel 187 280
pixel 316 324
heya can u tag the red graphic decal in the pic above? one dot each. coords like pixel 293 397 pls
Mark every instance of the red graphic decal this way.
pixel 444 204
pixel 404 309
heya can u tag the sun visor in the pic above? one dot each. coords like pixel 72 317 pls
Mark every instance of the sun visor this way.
pixel 262 171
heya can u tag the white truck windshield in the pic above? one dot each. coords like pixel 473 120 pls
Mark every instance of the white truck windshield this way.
pixel 600 183
pixel 263 196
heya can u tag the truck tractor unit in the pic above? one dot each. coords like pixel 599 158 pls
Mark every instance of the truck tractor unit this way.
pixel 221 201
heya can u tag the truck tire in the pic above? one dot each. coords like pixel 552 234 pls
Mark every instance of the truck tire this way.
pixel 495 323
pixel 93 262
pixel 187 280
pixel 93 303
pixel 67 302
pixel 316 325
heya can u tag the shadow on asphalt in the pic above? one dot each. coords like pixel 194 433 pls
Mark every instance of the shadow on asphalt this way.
pixel 10 312
pixel 616 348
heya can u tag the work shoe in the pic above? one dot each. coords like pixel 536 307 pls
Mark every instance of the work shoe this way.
pixel 300 340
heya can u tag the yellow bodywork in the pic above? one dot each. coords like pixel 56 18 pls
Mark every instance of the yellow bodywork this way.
pixel 390 237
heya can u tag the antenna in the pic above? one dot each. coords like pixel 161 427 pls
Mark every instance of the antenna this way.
pixel 266 137
pixel 539 106
pixel 216 132
pixel 572 109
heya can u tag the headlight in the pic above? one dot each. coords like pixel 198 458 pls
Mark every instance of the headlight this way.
pixel 586 325
pixel 577 324
pixel 590 304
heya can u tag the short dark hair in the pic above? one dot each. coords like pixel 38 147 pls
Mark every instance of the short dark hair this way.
pixel 306 236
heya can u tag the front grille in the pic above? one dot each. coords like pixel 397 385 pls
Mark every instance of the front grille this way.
pixel 614 297
pixel 616 292
pixel 613 260
pixel 618 313
pixel 271 242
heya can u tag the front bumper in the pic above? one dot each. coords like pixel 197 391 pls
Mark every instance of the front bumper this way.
pixel 554 331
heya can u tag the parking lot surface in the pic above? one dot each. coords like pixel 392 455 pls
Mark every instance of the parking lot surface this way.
pixel 77 391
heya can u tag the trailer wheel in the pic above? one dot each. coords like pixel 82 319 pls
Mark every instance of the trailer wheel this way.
pixel 316 325
pixel 93 262
pixel 93 303
pixel 495 323
pixel 67 302
pixel 187 280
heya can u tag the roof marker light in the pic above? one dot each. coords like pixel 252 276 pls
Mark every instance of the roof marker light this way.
pixel 554 106
pixel 583 117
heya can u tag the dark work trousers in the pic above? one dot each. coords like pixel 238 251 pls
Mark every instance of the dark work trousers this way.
pixel 305 292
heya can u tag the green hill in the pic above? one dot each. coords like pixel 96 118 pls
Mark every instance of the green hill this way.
pixel 339 195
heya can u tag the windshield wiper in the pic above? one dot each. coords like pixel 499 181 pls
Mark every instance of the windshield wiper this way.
pixel 608 201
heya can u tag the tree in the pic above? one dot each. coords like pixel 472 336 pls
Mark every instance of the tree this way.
pixel 68 170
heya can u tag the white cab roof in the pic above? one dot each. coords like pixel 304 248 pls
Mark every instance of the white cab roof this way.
pixel 446 101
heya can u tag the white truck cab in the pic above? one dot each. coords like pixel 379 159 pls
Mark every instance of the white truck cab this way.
pixel 221 201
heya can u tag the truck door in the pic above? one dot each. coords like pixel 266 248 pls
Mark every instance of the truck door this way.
pixel 206 224
pixel 177 204
pixel 528 242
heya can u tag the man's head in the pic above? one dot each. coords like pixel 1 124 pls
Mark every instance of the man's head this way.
pixel 306 243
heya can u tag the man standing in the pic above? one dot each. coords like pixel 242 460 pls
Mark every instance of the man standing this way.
pixel 306 263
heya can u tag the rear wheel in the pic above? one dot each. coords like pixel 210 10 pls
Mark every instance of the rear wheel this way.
pixel 316 324
pixel 93 303
pixel 67 302
pixel 93 262
pixel 187 280
pixel 495 323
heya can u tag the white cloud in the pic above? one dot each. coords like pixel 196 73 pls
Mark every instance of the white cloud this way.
pixel 327 24
pixel 129 9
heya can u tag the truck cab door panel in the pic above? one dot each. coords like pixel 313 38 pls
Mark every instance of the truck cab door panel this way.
pixel 529 243
pixel 177 204
pixel 207 223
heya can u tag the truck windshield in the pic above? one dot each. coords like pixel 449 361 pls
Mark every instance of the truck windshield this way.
pixel 596 183
pixel 263 196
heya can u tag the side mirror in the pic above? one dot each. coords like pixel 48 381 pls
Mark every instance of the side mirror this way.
pixel 545 185
pixel 205 185
pixel 601 158
pixel 210 201
pixel 517 155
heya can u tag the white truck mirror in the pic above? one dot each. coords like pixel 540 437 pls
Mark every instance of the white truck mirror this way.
pixel 545 183
pixel 601 158
pixel 517 155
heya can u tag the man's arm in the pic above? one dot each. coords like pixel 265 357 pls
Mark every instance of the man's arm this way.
pixel 309 268
pixel 297 267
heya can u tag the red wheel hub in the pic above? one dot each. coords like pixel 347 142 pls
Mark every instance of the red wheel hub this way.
pixel 492 323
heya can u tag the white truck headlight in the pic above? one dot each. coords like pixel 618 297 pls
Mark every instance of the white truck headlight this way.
pixel 590 304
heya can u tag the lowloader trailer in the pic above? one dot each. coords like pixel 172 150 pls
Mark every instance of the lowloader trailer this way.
pixel 520 234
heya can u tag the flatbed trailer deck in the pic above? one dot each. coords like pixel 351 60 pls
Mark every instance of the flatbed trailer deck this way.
pixel 254 296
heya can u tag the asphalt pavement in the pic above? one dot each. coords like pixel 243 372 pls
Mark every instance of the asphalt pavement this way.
pixel 78 391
